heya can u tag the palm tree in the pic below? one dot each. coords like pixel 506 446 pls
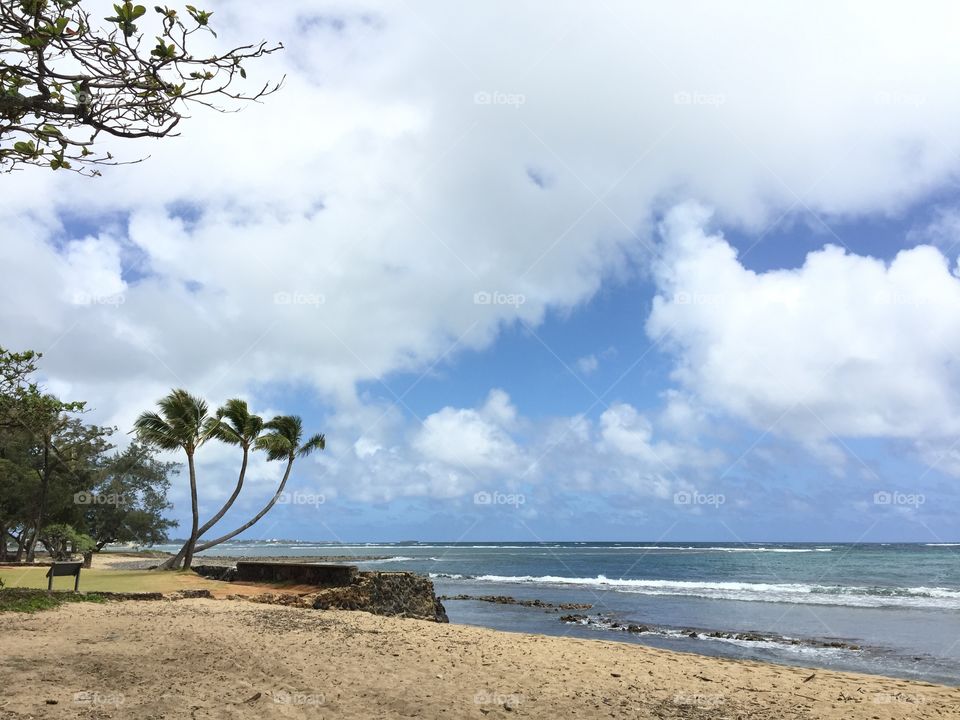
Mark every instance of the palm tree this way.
pixel 236 425
pixel 182 423
pixel 281 441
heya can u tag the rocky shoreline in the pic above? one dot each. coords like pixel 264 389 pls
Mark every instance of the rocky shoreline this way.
pixel 608 622
pixel 604 622
pixel 508 600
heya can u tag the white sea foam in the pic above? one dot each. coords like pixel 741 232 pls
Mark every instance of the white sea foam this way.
pixel 397 558
pixel 722 549
pixel 852 596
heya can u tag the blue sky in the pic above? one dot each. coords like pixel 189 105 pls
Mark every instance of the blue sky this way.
pixel 793 497
pixel 599 268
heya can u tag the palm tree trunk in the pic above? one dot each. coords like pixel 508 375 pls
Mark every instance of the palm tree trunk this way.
pixel 191 543
pixel 250 523
pixel 175 561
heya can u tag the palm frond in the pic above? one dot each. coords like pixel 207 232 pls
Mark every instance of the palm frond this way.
pixel 275 445
pixel 253 427
pixel 154 430
pixel 180 408
pixel 181 422
pixel 239 424
pixel 316 442
pixel 216 427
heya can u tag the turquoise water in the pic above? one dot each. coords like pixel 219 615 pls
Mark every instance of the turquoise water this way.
pixel 899 602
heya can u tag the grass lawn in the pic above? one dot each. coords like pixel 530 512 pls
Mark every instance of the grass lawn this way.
pixel 93 580
pixel 28 600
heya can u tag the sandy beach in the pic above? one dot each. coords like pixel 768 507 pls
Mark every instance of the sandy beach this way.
pixel 236 659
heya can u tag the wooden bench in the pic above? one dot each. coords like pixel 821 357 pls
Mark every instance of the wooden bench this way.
pixel 64 569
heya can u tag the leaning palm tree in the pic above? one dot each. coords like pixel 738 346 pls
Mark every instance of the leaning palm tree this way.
pixel 281 441
pixel 236 425
pixel 182 423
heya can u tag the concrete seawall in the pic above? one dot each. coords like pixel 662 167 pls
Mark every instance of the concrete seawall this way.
pixel 344 587
pixel 299 573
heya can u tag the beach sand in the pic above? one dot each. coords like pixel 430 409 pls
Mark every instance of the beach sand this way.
pixel 237 659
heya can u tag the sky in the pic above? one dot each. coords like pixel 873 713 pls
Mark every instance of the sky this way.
pixel 605 271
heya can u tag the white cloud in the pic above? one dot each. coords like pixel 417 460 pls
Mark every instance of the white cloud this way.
pixel 844 346
pixel 459 450
pixel 943 230
pixel 626 431
pixel 364 448
pixel 377 195
pixel 588 364
pixel 474 440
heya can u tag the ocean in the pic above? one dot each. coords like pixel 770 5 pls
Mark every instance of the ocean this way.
pixel 889 609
